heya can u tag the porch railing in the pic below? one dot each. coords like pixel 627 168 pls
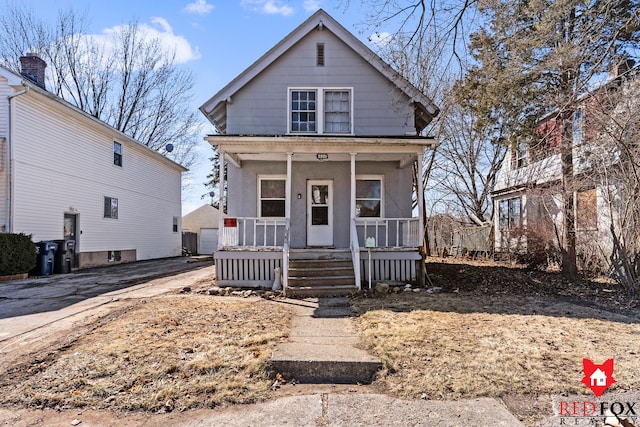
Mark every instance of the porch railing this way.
pixel 355 252
pixel 254 232
pixel 390 232
pixel 285 258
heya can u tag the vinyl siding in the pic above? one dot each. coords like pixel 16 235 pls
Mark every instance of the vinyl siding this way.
pixel 261 106
pixel 397 192
pixel 4 133
pixel 64 164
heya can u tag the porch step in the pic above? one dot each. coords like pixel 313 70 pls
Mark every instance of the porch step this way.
pixel 325 276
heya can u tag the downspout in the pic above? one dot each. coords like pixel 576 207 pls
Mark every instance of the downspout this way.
pixel 9 196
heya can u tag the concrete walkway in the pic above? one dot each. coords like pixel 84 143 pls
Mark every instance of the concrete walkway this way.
pixel 323 345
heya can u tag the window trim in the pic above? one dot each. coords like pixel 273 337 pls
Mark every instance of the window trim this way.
pixel 371 177
pixel 175 226
pixel 320 109
pixel 117 157
pixel 110 215
pixel 269 177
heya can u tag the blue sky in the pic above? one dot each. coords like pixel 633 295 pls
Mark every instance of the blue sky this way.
pixel 215 39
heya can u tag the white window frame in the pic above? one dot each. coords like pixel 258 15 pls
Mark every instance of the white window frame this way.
pixel 509 222
pixel 320 109
pixel 259 190
pixel 117 162
pixel 111 204
pixel 372 178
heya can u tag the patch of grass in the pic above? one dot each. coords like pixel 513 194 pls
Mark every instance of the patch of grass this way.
pixel 450 346
pixel 181 351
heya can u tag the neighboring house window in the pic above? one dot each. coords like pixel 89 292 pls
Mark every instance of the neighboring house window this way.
pixel 587 210
pixel 509 213
pixel 175 224
pixel 519 156
pixel 320 55
pixel 369 196
pixel 111 207
pixel 321 111
pixel 272 196
pixel 578 122
pixel 117 153
pixel 303 111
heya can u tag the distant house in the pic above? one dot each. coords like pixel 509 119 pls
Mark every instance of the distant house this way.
pixel 203 221
pixel 65 175
pixel 319 136
pixel 528 197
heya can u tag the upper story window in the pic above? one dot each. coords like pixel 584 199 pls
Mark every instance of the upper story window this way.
pixel 303 111
pixel 321 111
pixel 578 122
pixel 117 153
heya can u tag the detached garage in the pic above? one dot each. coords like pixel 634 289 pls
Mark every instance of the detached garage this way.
pixel 204 223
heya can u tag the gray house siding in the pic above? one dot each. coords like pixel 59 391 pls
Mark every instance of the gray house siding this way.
pixel 397 192
pixel 261 107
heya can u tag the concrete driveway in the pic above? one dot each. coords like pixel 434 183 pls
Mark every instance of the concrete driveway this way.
pixel 50 293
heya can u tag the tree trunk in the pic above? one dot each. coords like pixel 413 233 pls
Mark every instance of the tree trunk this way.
pixel 569 264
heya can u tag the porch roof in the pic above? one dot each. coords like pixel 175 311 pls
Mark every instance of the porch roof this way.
pixel 238 148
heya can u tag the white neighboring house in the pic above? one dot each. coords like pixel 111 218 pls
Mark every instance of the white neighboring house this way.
pixel 65 175
pixel 204 222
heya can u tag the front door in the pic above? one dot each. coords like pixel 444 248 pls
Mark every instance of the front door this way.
pixel 320 213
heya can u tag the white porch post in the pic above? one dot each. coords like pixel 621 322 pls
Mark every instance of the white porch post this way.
pixel 287 206
pixel 420 198
pixel 353 185
pixel 221 203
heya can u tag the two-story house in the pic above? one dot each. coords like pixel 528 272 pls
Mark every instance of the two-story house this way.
pixel 65 175
pixel 319 137
pixel 528 198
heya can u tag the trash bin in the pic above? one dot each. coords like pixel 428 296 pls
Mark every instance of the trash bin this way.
pixel 65 256
pixel 45 254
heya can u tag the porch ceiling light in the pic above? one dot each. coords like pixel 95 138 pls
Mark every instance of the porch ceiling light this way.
pixel 322 156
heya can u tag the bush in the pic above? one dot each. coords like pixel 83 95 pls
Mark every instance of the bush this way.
pixel 17 254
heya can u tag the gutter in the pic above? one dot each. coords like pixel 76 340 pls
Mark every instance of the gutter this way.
pixel 9 196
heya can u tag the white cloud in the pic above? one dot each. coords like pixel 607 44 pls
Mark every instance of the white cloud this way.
pixel 201 7
pixel 159 29
pixel 270 7
pixel 382 39
pixel 311 5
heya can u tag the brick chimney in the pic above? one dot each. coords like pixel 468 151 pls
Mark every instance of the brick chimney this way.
pixel 33 68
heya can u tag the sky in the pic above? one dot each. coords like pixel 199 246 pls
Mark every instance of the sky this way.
pixel 215 39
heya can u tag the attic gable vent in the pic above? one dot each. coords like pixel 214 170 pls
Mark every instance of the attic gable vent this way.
pixel 320 55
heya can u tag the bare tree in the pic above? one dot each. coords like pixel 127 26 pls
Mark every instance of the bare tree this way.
pixel 615 156
pixel 129 82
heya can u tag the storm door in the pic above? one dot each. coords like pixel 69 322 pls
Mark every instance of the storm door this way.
pixel 320 213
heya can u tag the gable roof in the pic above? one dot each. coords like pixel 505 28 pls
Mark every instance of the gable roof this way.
pixel 215 108
pixel 19 82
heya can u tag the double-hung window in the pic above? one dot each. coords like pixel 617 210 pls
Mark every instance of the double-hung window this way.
pixel 509 213
pixel 117 154
pixel 272 196
pixel 369 196
pixel 321 110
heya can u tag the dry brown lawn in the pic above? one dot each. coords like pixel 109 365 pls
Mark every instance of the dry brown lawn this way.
pixel 491 331
pixel 178 351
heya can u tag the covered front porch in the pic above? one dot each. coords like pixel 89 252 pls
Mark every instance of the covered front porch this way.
pixel 295 198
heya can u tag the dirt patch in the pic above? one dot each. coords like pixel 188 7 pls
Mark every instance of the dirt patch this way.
pixel 500 332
